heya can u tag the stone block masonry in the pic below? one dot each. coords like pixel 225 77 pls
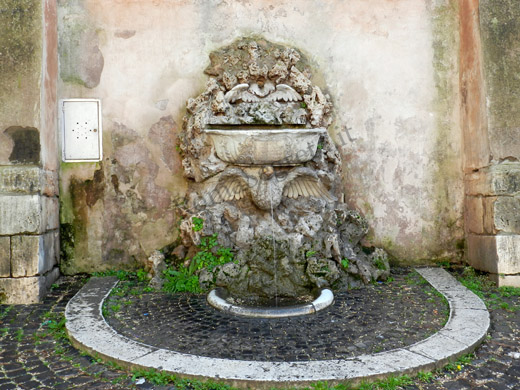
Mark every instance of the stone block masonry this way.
pixel 29 234
pixel 493 218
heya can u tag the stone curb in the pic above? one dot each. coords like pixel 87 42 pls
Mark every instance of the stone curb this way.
pixel 467 325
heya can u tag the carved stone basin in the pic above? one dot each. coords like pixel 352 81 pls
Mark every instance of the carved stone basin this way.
pixel 277 147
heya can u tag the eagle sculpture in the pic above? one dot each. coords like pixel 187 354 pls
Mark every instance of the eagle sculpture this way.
pixel 257 92
pixel 267 188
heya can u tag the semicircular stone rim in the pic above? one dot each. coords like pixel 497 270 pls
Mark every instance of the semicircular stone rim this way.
pixel 322 301
pixel 467 326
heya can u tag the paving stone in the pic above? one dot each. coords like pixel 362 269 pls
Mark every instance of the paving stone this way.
pixel 490 370
pixel 9 386
pixel 184 323
pixel 498 386
pixel 32 384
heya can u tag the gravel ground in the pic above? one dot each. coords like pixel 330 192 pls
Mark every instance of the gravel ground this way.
pixel 35 354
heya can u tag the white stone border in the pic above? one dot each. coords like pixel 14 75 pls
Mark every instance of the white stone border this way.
pixel 323 300
pixel 466 327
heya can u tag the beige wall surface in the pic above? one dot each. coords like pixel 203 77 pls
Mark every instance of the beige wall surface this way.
pixel 390 67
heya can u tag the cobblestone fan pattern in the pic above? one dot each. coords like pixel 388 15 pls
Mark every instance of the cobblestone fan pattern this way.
pixel 497 361
pixel 31 358
pixel 366 320
pixel 34 357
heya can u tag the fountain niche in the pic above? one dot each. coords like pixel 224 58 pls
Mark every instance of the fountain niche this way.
pixel 265 177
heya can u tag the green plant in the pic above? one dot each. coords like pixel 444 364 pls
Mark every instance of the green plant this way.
pixel 425 377
pixel 205 258
pixel 465 359
pixel 394 382
pixel 180 281
pixel 5 311
pixel 444 263
pixel 345 263
pixel 310 254
pixel 153 376
pixel 320 146
pixel 414 279
pixel 474 282
pixel 142 275
pixel 379 263
pixel 485 289
pixel 320 386
pixel 198 224
pixel 121 274
pixel 54 325
pixel 19 335
pixel 507 291
pixel 209 256
pixel 462 361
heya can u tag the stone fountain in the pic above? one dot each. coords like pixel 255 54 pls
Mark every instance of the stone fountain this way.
pixel 264 176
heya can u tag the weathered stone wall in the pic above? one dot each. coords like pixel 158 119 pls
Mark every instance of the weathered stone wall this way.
pixel 391 69
pixel 492 137
pixel 29 242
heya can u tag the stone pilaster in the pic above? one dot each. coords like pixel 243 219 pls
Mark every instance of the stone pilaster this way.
pixel 493 218
pixel 490 126
pixel 29 207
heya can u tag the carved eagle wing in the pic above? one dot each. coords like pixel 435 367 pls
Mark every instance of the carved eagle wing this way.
pixel 233 186
pixel 304 182
pixel 240 92
pixel 284 93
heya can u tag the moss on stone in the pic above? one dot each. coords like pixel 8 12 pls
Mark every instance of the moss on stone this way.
pixel 72 79
pixel 20 61
pixel 500 31
pixel 67 235
pixel 446 176
pixel 73 226
pixel 18 36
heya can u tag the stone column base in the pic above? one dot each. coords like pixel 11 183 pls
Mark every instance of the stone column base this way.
pixel 498 254
pixel 506 280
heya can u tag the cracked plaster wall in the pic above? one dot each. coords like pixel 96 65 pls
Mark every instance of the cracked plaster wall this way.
pixel 390 68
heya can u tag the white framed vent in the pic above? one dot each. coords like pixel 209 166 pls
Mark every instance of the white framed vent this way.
pixel 81 130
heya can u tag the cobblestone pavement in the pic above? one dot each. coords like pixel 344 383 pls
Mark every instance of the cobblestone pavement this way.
pixel 375 318
pixel 36 355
